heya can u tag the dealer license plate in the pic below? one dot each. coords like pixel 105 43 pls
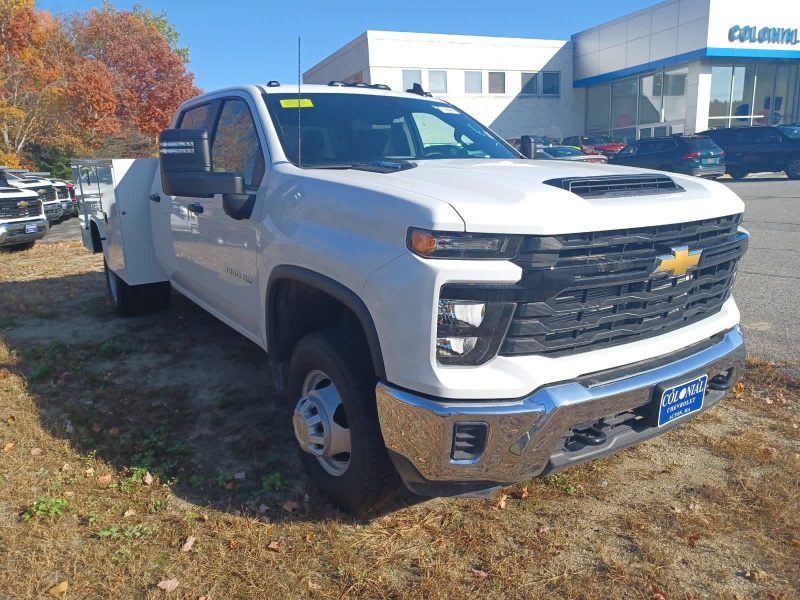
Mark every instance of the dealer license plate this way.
pixel 30 229
pixel 682 400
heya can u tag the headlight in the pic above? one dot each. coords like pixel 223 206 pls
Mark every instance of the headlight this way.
pixel 470 333
pixel 444 244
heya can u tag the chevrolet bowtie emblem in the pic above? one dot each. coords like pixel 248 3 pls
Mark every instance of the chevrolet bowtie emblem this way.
pixel 679 262
pixel 22 204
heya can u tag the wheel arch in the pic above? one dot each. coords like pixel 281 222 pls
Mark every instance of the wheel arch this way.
pixel 280 345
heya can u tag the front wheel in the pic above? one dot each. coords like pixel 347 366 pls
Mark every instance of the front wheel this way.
pixel 130 300
pixel 793 168
pixel 332 391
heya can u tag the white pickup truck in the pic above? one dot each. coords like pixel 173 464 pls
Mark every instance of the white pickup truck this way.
pixel 22 216
pixel 438 309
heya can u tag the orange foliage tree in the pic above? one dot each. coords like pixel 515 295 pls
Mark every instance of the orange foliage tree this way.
pixel 97 80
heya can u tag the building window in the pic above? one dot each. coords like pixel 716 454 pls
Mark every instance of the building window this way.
pixel 598 108
pixel 551 83
pixel 752 94
pixel 473 82
pixel 437 82
pixel 497 82
pixel 410 77
pixel 530 84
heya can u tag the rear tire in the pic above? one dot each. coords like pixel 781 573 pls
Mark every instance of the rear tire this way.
pixel 333 363
pixel 793 168
pixel 19 247
pixel 129 300
pixel 738 173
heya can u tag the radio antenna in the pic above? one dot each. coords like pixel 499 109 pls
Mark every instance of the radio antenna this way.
pixel 299 141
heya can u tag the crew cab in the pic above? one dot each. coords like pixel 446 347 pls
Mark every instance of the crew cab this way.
pixel 437 309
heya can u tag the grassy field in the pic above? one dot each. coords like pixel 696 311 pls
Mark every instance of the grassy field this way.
pixel 155 450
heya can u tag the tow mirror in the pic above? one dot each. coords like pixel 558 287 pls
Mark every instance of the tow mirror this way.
pixel 526 146
pixel 185 158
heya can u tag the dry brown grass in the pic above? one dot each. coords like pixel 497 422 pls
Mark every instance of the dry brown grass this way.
pixel 708 511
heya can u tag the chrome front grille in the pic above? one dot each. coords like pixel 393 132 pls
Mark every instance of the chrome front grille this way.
pixel 19 209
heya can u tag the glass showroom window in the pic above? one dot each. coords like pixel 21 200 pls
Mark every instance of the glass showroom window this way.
pixel 675 94
pixel 719 108
pixel 473 82
pixel 410 77
pixel 530 84
pixel 784 104
pixel 744 82
pixel 437 82
pixel 624 101
pixel 551 83
pixel 497 82
pixel 650 96
pixel 598 109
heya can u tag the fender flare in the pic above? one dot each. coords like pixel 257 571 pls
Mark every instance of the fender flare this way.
pixel 337 291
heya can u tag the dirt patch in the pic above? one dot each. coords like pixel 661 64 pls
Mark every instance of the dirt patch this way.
pixel 122 439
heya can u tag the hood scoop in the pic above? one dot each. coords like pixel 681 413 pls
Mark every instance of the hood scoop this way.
pixel 616 185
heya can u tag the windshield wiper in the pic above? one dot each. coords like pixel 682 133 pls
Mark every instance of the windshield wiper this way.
pixel 375 166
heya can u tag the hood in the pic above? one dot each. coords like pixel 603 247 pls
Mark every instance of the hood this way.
pixel 510 196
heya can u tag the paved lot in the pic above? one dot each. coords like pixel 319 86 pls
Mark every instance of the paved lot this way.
pixel 768 284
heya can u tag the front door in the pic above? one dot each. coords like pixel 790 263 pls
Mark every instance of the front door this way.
pixel 223 252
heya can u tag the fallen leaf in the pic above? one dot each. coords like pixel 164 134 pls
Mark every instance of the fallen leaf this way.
pixel 69 494
pixel 524 493
pixel 65 467
pixel 11 419
pixel 36 451
pixel 275 546
pixel 756 575
pixel 738 388
pixel 89 471
pixel 692 541
pixel 104 479
pixel 8 446
pixel 543 529
pixel 502 502
pixel 694 507
pixel 187 545
pixel 129 513
pixel 291 506
pixel 147 479
pixel 58 589
pixel 676 509
pixel 168 585
pixel 480 574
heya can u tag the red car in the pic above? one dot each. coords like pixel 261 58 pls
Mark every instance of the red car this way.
pixel 594 144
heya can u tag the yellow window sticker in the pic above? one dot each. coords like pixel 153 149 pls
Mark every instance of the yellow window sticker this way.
pixel 297 103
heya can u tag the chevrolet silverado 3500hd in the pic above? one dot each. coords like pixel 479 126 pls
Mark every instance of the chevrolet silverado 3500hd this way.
pixel 22 218
pixel 434 306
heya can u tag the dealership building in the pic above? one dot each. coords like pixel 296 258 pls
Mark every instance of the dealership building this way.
pixel 680 66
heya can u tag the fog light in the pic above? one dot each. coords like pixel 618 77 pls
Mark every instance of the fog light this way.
pixel 454 346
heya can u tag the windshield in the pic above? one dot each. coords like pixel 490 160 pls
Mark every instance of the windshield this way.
pixel 701 143
pixel 560 151
pixel 790 131
pixel 345 129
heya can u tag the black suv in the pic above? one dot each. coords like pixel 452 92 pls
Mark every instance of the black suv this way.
pixel 691 154
pixel 757 149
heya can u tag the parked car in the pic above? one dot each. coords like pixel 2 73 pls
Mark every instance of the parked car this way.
pixel 435 308
pixel 22 219
pixel 594 144
pixel 526 142
pixel 691 154
pixel 759 149
pixel 45 189
pixel 569 153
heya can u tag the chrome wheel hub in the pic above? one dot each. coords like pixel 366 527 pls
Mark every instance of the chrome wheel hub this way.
pixel 320 423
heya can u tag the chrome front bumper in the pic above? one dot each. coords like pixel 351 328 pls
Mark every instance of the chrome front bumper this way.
pixel 526 437
pixel 14 233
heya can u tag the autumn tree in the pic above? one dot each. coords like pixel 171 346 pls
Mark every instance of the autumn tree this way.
pixel 149 78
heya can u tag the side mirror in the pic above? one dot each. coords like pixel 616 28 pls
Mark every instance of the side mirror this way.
pixel 185 158
pixel 526 146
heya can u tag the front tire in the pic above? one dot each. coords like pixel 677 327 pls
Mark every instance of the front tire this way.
pixel 793 168
pixel 19 247
pixel 128 300
pixel 331 388
pixel 738 173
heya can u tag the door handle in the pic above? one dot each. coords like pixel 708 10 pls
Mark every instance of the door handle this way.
pixel 196 207
pixel 155 197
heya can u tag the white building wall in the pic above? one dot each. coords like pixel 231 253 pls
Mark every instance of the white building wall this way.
pixel 510 114
pixel 349 63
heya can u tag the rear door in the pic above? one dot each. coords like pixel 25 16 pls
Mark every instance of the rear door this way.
pixel 771 151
